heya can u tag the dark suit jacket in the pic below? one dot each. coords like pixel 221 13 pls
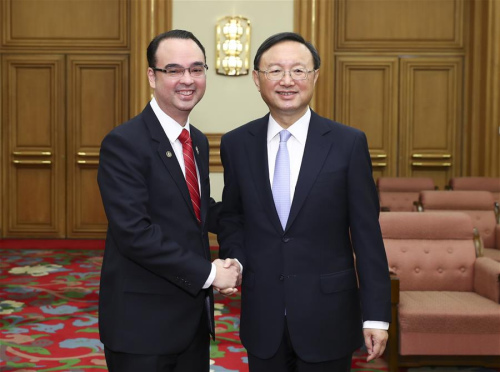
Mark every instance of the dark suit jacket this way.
pixel 308 269
pixel 157 256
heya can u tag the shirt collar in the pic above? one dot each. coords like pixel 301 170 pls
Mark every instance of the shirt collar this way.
pixel 170 126
pixel 298 129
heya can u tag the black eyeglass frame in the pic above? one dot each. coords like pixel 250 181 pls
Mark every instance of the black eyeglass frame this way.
pixel 165 71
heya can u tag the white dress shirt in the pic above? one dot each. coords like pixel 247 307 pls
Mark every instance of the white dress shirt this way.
pixel 296 145
pixel 173 129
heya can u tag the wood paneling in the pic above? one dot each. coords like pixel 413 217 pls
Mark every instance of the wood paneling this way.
pixel 431 117
pixel 407 24
pixel 149 18
pixel 313 20
pixel 492 129
pixel 52 128
pixel 215 162
pixel 34 145
pixel 367 98
pixel 97 102
pixel 70 24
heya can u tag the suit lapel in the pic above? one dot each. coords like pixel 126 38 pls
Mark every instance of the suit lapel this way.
pixel 256 148
pixel 167 154
pixel 315 152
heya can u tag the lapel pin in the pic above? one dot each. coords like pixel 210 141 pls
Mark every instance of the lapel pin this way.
pixel 197 152
pixel 169 154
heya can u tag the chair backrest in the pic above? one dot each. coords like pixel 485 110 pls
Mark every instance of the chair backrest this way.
pixel 479 205
pixel 431 251
pixel 491 184
pixel 399 193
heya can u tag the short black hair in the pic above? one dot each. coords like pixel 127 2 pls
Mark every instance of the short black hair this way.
pixel 172 34
pixel 285 36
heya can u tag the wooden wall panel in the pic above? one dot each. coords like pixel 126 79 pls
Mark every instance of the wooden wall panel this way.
pixel 97 101
pixel 492 125
pixel 407 24
pixel 431 117
pixel 34 145
pixel 68 24
pixel 367 98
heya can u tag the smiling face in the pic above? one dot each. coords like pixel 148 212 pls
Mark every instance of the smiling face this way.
pixel 287 99
pixel 177 96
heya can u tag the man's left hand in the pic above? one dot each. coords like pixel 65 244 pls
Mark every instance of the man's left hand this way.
pixel 375 341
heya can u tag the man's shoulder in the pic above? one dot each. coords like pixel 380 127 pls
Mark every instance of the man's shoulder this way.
pixel 250 127
pixel 132 125
pixel 195 131
pixel 335 126
pixel 131 130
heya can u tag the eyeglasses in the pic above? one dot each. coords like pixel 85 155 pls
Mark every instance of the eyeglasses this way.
pixel 177 72
pixel 278 74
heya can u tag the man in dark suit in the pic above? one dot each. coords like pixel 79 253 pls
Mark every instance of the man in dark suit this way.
pixel 300 213
pixel 156 300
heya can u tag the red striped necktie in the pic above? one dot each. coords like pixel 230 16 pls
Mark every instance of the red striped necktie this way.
pixel 191 177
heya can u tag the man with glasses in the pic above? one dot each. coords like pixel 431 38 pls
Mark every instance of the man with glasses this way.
pixel 156 299
pixel 300 213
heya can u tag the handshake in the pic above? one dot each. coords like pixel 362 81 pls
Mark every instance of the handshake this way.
pixel 227 276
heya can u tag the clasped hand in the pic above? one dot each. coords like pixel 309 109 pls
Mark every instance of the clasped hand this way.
pixel 227 276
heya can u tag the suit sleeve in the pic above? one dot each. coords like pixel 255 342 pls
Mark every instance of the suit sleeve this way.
pixel 230 235
pixel 122 179
pixel 371 260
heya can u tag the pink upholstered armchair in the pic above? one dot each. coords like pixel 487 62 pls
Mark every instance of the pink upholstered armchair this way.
pixel 398 194
pixel 479 205
pixel 446 308
pixel 491 184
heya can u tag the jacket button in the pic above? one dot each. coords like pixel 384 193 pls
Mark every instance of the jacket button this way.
pixel 285 239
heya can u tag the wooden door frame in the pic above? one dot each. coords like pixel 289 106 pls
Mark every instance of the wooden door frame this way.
pixel 148 19
pixel 314 20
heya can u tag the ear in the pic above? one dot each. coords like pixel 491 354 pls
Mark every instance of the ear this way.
pixel 255 76
pixel 316 74
pixel 151 78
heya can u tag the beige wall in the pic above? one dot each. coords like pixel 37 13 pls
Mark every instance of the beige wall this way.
pixel 229 101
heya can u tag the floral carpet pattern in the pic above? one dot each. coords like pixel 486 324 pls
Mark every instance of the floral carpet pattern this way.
pixel 48 316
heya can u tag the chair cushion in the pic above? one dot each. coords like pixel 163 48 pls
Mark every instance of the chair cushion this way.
pixel 432 265
pixel 405 184
pixel 431 321
pixel 491 184
pixel 492 253
pixel 457 200
pixel 433 225
pixel 448 312
pixel 477 204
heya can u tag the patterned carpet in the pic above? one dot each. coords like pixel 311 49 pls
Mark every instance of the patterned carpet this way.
pixel 48 309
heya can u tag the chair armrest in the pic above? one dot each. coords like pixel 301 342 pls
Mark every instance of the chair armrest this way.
pixel 487 278
pixel 497 236
pixel 394 288
pixel 392 349
pixel 478 242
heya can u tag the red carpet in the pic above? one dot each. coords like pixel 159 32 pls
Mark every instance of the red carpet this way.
pixel 48 308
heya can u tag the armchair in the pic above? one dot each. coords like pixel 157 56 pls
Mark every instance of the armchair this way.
pixel 479 205
pixel 398 194
pixel 446 301
pixel 491 184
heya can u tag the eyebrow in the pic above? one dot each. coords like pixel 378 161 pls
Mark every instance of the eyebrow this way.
pixel 281 66
pixel 176 65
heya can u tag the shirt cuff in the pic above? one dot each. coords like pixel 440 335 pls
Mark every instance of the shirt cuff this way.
pixel 210 278
pixel 376 325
